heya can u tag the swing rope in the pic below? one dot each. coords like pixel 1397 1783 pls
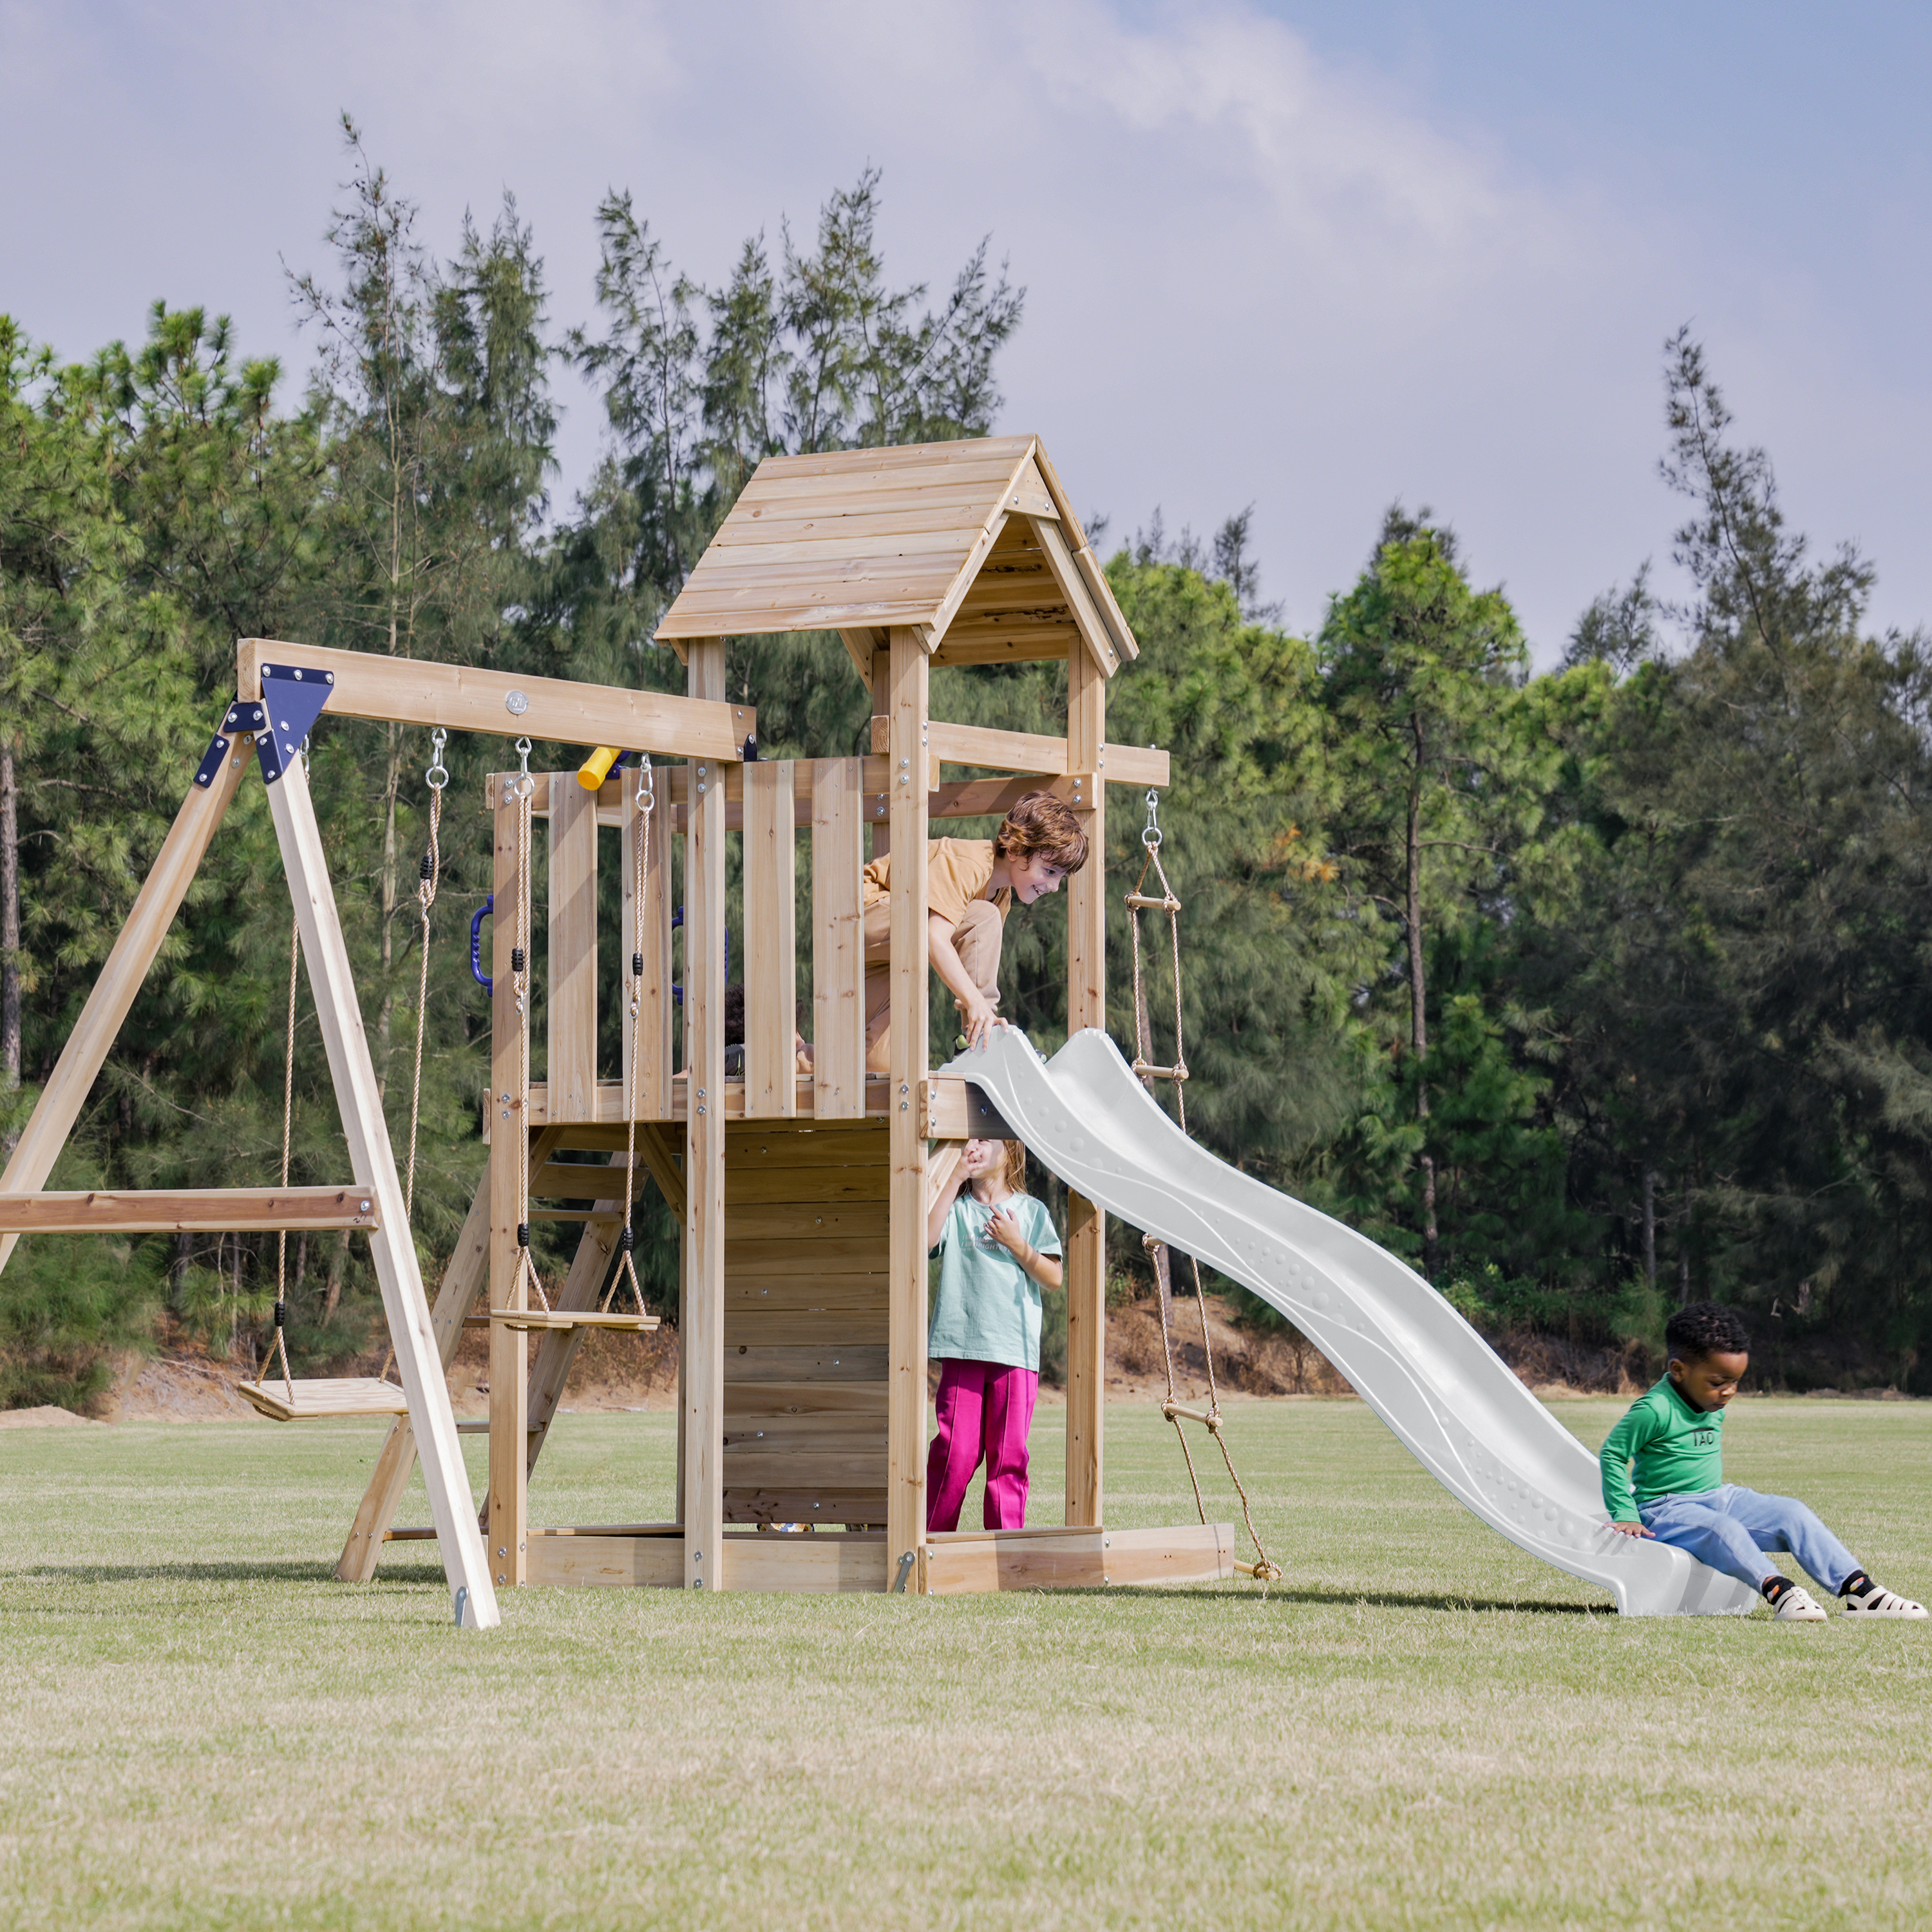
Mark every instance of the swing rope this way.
pixel 645 804
pixel 1264 1569
pixel 429 878
pixel 525 787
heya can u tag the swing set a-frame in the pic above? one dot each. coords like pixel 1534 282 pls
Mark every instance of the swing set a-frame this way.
pixel 801 1194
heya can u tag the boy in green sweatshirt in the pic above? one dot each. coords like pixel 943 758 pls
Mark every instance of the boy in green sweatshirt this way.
pixel 1674 1435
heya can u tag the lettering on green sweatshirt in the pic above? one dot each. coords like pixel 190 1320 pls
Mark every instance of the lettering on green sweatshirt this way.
pixel 1677 1450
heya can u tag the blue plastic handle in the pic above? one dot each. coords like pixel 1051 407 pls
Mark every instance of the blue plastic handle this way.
pixel 476 972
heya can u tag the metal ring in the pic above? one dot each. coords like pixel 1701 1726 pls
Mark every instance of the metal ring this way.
pixel 436 777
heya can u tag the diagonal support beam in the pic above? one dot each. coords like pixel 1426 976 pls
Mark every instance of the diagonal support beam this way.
pixel 87 1046
pixel 433 1421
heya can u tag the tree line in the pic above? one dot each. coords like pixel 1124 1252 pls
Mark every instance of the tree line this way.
pixel 1587 991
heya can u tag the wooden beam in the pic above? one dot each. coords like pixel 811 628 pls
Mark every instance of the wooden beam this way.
pixel 1033 752
pixel 770 853
pixel 468 1267
pixel 701 1325
pixel 838 939
pixel 187 1209
pixel 462 698
pixel 860 642
pixel 1086 1272
pixel 1094 629
pixel 907 711
pixel 963 1562
pixel 360 1099
pixel 92 1039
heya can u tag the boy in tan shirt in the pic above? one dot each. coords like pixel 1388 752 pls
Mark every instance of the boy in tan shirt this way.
pixel 970 886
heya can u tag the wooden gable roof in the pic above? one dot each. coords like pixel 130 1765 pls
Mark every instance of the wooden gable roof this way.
pixel 973 545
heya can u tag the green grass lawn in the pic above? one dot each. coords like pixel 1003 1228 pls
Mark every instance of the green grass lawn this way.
pixel 1422 1727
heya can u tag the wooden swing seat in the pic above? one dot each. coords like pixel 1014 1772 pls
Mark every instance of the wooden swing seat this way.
pixel 321 1397
pixel 572 1317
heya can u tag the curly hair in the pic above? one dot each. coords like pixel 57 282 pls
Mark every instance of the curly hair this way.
pixel 1706 1328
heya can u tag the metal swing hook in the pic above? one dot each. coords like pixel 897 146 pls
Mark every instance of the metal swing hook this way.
pixel 647 798
pixel 436 777
pixel 1150 834
pixel 525 784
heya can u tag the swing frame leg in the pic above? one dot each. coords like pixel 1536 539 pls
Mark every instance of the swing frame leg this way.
pixel 373 1162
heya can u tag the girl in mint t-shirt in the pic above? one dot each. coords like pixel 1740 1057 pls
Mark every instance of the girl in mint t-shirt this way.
pixel 997 1249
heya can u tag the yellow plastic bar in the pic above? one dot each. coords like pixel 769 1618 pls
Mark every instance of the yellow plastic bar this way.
pixel 595 769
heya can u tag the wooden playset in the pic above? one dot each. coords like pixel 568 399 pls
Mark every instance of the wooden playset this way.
pixel 802 1196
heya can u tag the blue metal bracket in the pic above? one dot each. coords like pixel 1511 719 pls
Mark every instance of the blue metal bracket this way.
pixel 294 699
pixel 241 718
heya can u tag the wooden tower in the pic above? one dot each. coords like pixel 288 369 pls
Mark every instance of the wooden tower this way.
pixel 802 1198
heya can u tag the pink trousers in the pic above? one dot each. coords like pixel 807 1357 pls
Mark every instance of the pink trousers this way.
pixel 985 1408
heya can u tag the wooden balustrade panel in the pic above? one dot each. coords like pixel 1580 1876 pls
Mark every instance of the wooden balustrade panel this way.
pixel 837 937
pixel 652 991
pixel 572 1073
pixel 805 1232
pixel 771 946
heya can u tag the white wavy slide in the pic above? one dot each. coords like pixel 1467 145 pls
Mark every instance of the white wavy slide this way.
pixel 1453 1403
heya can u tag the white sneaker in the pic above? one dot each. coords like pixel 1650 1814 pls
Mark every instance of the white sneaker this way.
pixel 1875 1600
pixel 1797 1605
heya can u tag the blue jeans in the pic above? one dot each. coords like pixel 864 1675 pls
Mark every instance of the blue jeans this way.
pixel 1728 1526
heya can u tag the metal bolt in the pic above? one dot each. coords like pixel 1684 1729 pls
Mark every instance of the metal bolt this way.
pixel 365 1207
pixel 503 1553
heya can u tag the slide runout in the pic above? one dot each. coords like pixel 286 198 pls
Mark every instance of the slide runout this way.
pixel 1450 1399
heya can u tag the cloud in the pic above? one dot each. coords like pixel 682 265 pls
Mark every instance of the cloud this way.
pixel 1252 277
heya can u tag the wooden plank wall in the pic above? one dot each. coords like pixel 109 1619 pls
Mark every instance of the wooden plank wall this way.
pixel 839 938
pixel 571 986
pixel 653 991
pixel 770 969
pixel 806 1321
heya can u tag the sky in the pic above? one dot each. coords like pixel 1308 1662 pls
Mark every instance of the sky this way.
pixel 1313 256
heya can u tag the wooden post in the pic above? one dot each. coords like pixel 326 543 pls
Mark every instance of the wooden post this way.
pixel 771 942
pixel 701 1337
pixel 390 1245
pixel 93 1037
pixel 571 987
pixel 839 939
pixel 509 1146
pixel 904 691
pixel 1086 1006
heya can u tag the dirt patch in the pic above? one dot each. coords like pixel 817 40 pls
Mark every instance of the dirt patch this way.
pixel 46 1417
pixel 616 1372
pixel 1246 1361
